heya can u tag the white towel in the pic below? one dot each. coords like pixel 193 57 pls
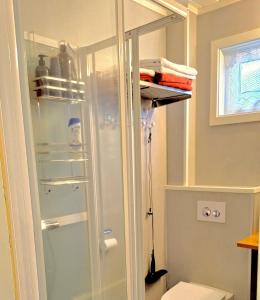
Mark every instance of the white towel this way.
pixel 172 72
pixel 147 71
pixel 163 62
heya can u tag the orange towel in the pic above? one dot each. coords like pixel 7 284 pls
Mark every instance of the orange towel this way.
pixel 159 77
pixel 146 77
pixel 182 86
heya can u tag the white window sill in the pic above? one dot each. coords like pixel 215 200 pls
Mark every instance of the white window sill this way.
pixel 217 96
pixel 233 119
pixel 215 189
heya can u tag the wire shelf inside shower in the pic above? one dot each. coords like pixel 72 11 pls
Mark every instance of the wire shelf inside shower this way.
pixel 45 79
pixel 59 89
pixel 61 181
pixel 60 99
pixel 60 152
pixel 62 160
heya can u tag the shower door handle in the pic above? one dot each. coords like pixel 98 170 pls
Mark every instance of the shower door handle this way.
pixel 50 225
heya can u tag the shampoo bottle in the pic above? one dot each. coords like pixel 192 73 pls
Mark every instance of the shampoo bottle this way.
pixel 41 69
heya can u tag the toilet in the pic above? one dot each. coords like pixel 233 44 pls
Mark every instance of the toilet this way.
pixel 193 291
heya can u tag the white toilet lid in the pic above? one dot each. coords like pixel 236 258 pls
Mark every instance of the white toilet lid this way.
pixel 188 291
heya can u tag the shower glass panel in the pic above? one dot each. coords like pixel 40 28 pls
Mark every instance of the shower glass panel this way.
pixel 73 127
pixel 107 122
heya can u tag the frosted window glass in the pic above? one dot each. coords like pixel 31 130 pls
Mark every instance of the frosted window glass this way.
pixel 250 76
pixel 241 78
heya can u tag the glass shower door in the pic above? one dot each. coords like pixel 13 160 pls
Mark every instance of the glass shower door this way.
pixel 71 108
pixel 102 70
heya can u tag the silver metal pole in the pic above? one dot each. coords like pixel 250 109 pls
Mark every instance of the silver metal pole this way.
pixel 141 30
pixel 155 25
pixel 137 159
pixel 125 152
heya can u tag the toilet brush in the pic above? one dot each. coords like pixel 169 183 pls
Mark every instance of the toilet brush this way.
pixel 152 275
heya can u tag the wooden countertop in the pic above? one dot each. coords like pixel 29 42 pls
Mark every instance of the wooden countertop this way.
pixel 250 242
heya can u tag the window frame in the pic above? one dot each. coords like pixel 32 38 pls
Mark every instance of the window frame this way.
pixel 217 68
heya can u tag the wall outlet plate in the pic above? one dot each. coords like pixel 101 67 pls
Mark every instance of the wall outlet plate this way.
pixel 211 211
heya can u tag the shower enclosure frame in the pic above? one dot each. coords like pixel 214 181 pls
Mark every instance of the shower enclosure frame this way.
pixel 30 278
pixel 29 265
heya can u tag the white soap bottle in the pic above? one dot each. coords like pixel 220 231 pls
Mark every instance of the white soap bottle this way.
pixel 75 138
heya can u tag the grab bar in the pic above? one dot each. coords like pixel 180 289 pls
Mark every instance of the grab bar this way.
pixel 51 224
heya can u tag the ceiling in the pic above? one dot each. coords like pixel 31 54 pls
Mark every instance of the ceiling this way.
pixel 205 2
pixel 204 6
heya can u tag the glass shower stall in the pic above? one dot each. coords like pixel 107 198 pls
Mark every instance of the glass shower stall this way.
pixel 72 106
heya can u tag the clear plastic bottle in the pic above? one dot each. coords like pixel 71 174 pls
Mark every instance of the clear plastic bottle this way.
pixel 67 67
pixel 66 63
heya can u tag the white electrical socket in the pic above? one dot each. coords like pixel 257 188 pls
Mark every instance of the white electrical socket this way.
pixel 211 211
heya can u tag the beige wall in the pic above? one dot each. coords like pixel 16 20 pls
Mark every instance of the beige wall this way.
pixel 81 22
pixel 175 34
pixel 226 154
pixel 155 291
pixel 205 252
pixel 181 48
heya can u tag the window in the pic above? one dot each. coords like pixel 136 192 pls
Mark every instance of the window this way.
pixel 235 79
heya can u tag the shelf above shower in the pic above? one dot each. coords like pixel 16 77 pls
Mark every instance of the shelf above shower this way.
pixel 55 223
pixel 162 95
pixel 61 181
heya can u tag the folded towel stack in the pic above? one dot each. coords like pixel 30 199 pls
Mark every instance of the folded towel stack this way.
pixel 173 81
pixel 147 74
pixel 168 73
